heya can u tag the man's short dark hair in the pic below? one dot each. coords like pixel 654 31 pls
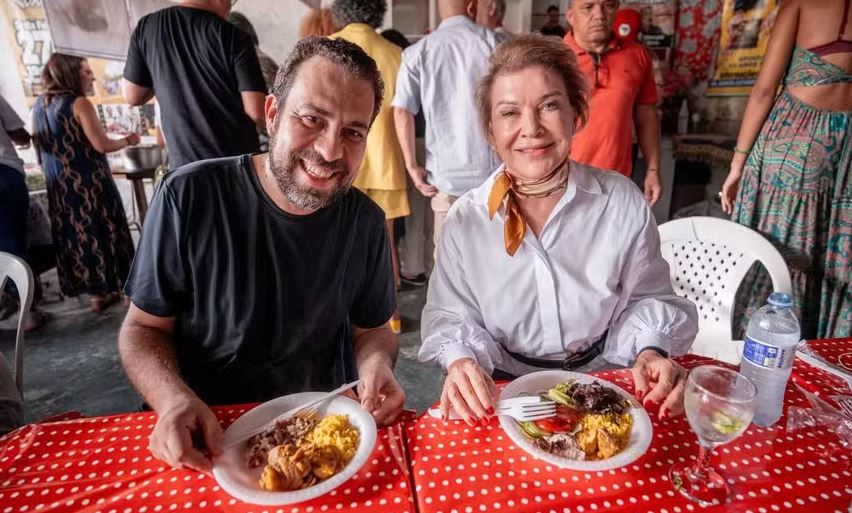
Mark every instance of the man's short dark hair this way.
pixel 552 8
pixel 371 12
pixel 339 51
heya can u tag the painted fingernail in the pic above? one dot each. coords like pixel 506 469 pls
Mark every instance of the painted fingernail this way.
pixel 664 414
pixel 491 410
pixel 640 394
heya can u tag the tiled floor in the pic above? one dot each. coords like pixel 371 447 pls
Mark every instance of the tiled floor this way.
pixel 72 362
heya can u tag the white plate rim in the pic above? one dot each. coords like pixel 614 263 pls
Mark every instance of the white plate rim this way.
pixel 262 413
pixel 640 437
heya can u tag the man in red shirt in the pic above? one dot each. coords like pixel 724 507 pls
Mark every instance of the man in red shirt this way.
pixel 621 80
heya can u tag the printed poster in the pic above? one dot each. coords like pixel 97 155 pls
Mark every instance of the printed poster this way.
pixel 29 38
pixel 746 25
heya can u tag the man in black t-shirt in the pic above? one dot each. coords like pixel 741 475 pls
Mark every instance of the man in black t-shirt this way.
pixel 206 76
pixel 552 27
pixel 264 275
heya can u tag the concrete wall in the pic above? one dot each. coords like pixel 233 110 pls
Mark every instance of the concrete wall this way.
pixel 276 23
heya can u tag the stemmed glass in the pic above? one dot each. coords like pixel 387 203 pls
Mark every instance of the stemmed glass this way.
pixel 719 405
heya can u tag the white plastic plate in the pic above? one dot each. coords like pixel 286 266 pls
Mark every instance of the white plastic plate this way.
pixel 235 477
pixel 532 384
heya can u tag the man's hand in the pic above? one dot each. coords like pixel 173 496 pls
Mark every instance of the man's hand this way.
pixel 418 176
pixel 469 391
pixel 660 382
pixel 653 186
pixel 178 426
pixel 380 392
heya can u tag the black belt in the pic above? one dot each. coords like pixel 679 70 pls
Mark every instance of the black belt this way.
pixel 570 362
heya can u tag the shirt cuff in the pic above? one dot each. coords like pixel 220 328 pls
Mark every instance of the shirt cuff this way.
pixel 653 340
pixel 455 351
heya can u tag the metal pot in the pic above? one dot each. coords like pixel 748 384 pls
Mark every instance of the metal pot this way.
pixel 142 157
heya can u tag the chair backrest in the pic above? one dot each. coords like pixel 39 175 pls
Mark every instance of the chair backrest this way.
pixel 708 258
pixel 19 272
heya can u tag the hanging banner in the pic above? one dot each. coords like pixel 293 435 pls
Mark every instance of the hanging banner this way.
pixel 29 38
pixel 746 25
pixel 654 23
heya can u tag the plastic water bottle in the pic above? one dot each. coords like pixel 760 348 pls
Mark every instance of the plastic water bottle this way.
pixel 770 345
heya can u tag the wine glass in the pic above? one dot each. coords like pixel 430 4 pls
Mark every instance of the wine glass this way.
pixel 719 405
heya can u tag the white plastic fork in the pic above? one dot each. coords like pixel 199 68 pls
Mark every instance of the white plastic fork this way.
pixel 845 406
pixel 306 411
pixel 530 411
pixel 522 409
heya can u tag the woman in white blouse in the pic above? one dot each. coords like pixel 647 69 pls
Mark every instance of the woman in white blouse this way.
pixel 549 263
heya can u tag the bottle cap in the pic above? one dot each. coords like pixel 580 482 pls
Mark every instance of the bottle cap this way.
pixel 780 300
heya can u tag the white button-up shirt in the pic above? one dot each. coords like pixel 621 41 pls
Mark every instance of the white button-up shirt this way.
pixel 596 266
pixel 438 74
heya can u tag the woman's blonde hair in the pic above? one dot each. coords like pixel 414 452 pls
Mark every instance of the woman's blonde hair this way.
pixel 528 50
pixel 318 22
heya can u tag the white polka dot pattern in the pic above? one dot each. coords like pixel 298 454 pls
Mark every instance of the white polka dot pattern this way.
pixel 103 465
pixel 461 469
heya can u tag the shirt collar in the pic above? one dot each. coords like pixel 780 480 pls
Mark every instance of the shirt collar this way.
pixel 614 44
pixel 452 21
pixel 358 27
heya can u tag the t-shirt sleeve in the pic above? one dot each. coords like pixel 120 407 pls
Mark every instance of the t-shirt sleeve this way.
pixel 648 92
pixel 135 68
pixel 158 282
pixel 375 302
pixel 9 119
pixel 246 64
pixel 407 94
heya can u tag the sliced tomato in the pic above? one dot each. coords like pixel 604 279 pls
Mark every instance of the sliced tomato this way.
pixel 554 425
pixel 568 414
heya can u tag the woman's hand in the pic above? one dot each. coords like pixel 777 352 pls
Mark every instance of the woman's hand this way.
pixel 732 186
pixel 133 139
pixel 469 391
pixel 660 382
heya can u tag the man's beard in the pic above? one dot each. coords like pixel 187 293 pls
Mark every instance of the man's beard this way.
pixel 303 196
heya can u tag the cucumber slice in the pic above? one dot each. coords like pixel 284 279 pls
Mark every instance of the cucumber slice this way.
pixel 560 397
pixel 530 429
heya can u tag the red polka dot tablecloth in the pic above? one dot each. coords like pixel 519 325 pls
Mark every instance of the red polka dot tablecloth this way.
pixel 462 469
pixel 103 465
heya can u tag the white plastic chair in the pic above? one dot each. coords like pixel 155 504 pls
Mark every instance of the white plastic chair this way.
pixel 708 258
pixel 19 272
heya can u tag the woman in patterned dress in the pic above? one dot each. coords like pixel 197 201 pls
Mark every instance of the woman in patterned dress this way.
pixel 90 232
pixel 793 157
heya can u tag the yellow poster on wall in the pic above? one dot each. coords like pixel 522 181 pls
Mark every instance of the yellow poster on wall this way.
pixel 746 25
pixel 29 39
